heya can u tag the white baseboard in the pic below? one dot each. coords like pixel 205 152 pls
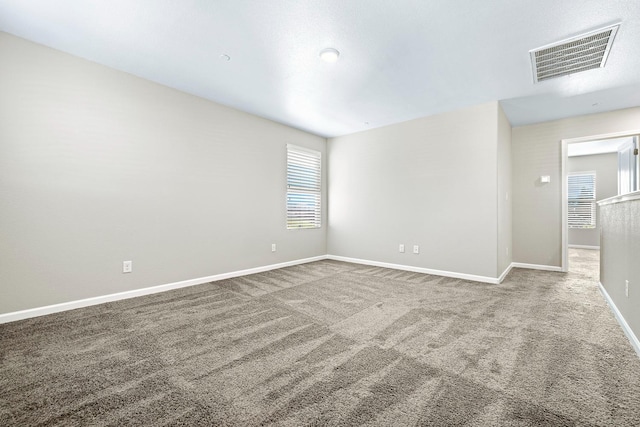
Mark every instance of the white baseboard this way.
pixel 536 266
pixel 71 305
pixel 584 247
pixel 635 343
pixel 464 276
pixel 504 273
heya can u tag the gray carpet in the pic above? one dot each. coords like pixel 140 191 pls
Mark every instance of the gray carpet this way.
pixel 331 343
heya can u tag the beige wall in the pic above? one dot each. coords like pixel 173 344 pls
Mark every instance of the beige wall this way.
pixel 429 182
pixel 504 193
pixel 619 254
pixel 606 168
pixel 536 151
pixel 98 166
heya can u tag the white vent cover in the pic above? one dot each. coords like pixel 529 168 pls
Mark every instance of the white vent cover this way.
pixel 574 55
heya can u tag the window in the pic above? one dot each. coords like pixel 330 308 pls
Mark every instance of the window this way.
pixel 303 187
pixel 582 200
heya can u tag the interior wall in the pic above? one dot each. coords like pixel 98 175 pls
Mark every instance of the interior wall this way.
pixel 536 151
pixel 606 168
pixel 619 257
pixel 504 193
pixel 429 182
pixel 98 166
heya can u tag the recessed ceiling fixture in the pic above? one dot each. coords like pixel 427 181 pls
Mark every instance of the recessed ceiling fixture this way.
pixel 329 54
pixel 574 55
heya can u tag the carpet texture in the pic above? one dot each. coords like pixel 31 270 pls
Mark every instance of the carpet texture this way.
pixel 331 343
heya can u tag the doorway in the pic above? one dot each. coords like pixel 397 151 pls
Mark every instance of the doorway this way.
pixel 593 169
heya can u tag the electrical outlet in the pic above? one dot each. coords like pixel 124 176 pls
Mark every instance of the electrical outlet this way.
pixel 401 248
pixel 416 249
pixel 273 247
pixel 127 266
pixel 626 288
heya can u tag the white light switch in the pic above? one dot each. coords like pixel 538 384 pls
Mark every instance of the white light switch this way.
pixel 626 288
pixel 545 178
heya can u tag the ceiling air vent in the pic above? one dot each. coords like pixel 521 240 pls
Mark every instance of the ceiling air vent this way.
pixel 573 55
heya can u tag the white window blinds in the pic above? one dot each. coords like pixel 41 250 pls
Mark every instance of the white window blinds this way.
pixel 582 200
pixel 303 187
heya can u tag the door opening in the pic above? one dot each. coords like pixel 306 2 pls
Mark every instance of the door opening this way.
pixel 611 165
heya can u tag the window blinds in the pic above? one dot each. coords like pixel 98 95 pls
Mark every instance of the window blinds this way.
pixel 303 187
pixel 582 200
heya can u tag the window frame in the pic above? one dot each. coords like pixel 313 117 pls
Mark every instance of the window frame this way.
pixel 307 213
pixel 577 220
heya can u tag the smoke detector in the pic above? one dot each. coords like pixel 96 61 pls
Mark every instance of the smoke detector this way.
pixel 574 55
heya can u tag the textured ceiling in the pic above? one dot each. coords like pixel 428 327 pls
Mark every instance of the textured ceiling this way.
pixel 399 59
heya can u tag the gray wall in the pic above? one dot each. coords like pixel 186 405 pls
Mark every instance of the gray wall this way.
pixel 98 166
pixel 428 182
pixel 619 255
pixel 606 169
pixel 536 151
pixel 505 243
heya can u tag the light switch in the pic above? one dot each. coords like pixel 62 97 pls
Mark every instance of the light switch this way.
pixel 545 178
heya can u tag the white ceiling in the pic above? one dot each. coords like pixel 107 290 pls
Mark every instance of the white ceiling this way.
pixel 399 59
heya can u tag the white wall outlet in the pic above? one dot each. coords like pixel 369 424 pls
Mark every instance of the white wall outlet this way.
pixel 626 288
pixel 127 266
pixel 416 249
pixel 273 247
pixel 401 248
pixel 545 179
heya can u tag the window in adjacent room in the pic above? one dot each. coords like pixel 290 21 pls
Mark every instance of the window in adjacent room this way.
pixel 582 200
pixel 303 187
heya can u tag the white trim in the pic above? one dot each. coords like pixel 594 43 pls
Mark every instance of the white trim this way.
pixel 505 273
pixel 536 266
pixel 597 248
pixel 635 343
pixel 621 198
pixel 71 305
pixel 464 276
pixel 564 195
pixel 611 135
